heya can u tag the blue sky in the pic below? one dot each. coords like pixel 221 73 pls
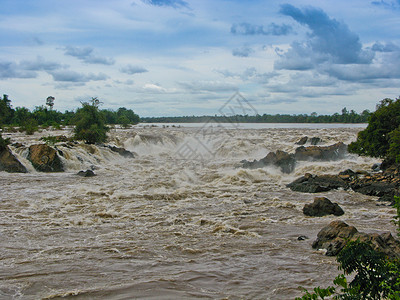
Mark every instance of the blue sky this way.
pixel 183 57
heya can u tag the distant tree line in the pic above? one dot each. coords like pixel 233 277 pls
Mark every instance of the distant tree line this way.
pixel 345 117
pixel 44 115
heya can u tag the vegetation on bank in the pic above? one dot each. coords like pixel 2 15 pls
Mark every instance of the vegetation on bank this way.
pixel 45 115
pixel 90 122
pixel 381 138
pixel 345 117
pixel 375 276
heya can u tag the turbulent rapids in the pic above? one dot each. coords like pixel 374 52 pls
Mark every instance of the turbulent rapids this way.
pixel 181 219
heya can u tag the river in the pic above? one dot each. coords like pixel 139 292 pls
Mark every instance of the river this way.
pixel 181 220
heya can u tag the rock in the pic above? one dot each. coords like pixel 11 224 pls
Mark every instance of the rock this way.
pixel 121 151
pixel 321 207
pixel 17 145
pixel 302 238
pixel 334 237
pixel 333 152
pixel 348 172
pixel 317 184
pixel 87 173
pixel 376 167
pixel 9 163
pixel 315 141
pixel 302 141
pixel 45 159
pixel 374 188
pixel 281 159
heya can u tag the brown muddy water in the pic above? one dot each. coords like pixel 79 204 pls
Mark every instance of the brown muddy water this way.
pixel 179 221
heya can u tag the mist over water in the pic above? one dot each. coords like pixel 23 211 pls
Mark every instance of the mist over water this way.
pixel 173 223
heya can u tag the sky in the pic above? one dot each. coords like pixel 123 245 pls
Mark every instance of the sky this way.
pixel 191 57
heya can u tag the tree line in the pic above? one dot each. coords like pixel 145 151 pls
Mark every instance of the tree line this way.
pixel 345 117
pixel 45 115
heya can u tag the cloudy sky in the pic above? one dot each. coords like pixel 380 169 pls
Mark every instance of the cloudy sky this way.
pixel 188 57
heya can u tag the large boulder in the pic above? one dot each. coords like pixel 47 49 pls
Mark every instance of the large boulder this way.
pixel 335 236
pixel 45 159
pixel 9 163
pixel 281 159
pixel 321 207
pixel 333 152
pixel 316 184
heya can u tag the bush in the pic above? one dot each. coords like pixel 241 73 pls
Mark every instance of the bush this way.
pixel 382 136
pixel 90 123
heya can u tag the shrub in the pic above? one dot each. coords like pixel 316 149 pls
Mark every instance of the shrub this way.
pixel 90 123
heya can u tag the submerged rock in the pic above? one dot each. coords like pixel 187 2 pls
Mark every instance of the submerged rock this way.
pixel 45 158
pixel 87 173
pixel 335 236
pixel 9 163
pixel 302 141
pixel 321 207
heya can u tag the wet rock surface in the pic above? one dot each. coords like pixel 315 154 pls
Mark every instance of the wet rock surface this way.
pixel 287 161
pixel 9 163
pixel 384 184
pixel 45 158
pixel 321 207
pixel 335 236
pixel 87 173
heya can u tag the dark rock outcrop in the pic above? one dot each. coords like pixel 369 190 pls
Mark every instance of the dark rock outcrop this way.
pixel 316 184
pixel 121 151
pixel 87 173
pixel 302 141
pixel 334 237
pixel 9 163
pixel 315 141
pixel 45 158
pixel 321 207
pixel 333 152
pixel 281 159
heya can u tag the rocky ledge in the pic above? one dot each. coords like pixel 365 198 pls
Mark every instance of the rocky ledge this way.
pixel 335 236
pixel 384 184
pixel 287 161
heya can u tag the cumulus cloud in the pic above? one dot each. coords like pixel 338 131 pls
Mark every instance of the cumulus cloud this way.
pixel 27 68
pixel 329 41
pixel 72 76
pixel 242 52
pixel 170 3
pixel 12 70
pixel 86 55
pixel 129 69
pixel 271 29
pixel 40 64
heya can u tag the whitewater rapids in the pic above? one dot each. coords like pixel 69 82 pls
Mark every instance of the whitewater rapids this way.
pixel 179 221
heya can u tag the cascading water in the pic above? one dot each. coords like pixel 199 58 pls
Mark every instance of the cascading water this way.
pixel 171 223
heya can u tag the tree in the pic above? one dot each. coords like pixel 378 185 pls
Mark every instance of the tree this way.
pixel 90 123
pixel 50 102
pixel 380 137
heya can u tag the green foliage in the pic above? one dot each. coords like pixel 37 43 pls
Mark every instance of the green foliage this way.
pixel 382 136
pixel 3 142
pixel 375 276
pixel 90 123
pixel 29 126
